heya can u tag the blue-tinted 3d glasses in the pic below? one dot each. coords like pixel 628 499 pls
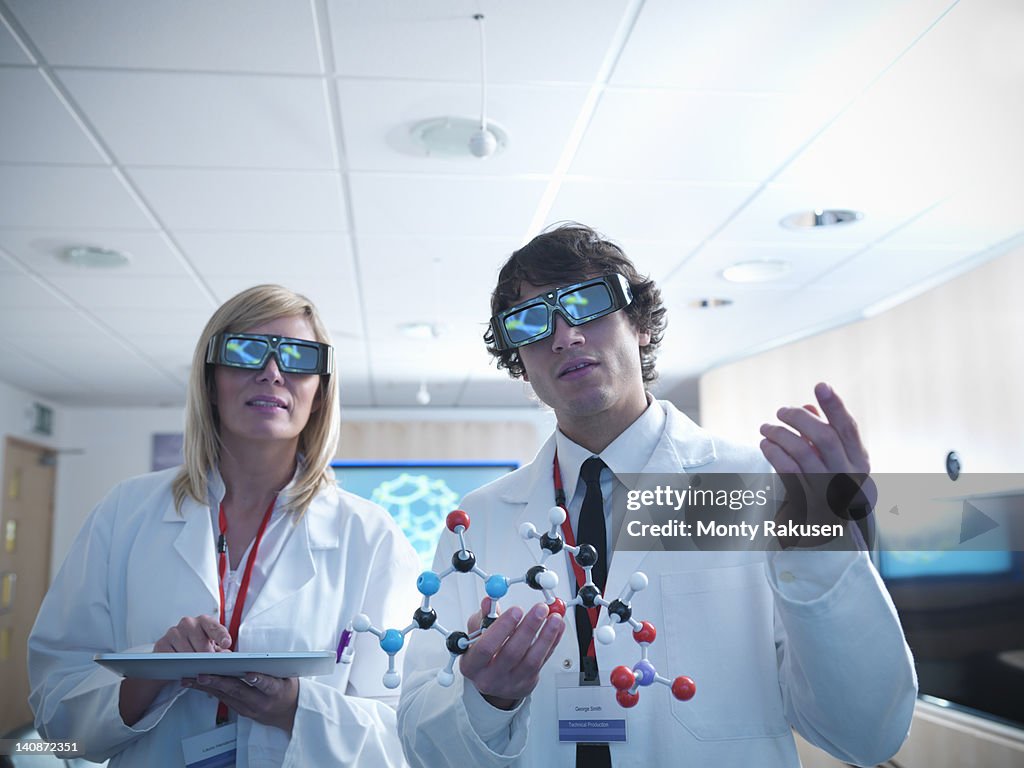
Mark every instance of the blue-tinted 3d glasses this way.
pixel 579 303
pixel 253 350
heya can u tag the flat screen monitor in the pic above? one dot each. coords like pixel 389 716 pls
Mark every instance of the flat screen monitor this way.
pixel 962 611
pixel 419 495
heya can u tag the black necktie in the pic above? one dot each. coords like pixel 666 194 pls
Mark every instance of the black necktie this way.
pixel 591 530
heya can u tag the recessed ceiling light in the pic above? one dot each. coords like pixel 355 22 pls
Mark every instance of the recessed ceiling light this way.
pixel 449 136
pixel 710 303
pixel 821 217
pixel 89 257
pixel 757 271
pixel 420 331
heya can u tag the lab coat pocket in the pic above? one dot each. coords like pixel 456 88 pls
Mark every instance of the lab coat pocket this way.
pixel 718 630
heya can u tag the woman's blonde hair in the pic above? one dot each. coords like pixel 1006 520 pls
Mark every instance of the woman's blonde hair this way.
pixel 318 441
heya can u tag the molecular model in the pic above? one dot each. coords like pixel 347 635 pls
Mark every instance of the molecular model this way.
pixel 626 681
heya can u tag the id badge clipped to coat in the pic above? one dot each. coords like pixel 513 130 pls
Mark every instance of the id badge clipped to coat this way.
pixel 213 749
pixel 588 714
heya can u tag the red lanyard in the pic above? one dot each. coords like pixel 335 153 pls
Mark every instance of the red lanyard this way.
pixel 243 589
pixel 570 539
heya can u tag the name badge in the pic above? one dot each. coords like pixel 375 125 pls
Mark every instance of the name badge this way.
pixel 589 714
pixel 213 749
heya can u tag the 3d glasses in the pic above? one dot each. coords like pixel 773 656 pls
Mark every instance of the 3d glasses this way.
pixel 533 320
pixel 253 350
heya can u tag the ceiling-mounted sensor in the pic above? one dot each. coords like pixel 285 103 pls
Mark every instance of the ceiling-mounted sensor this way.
pixel 821 217
pixel 483 142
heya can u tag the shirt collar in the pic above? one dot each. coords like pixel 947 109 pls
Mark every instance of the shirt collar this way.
pixel 627 455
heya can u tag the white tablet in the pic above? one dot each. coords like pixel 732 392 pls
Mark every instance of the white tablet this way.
pixel 174 666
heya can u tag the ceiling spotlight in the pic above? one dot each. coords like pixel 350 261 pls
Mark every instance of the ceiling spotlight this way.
pixel 821 217
pixel 710 303
pixel 423 394
pixel 89 257
pixel 758 271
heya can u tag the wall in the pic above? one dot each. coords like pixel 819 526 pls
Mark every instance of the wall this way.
pixel 16 416
pixel 943 371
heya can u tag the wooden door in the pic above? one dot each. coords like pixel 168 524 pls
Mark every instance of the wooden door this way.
pixel 26 520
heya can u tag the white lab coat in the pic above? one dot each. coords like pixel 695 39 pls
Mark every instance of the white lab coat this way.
pixel 836 668
pixel 137 567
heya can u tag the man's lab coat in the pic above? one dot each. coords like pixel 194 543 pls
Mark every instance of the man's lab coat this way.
pixel 834 666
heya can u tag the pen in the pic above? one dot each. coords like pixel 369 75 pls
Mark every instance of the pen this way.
pixel 346 638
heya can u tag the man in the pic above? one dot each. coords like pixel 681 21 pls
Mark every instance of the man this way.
pixel 775 639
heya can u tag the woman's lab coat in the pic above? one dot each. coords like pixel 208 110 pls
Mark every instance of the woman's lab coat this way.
pixel 820 650
pixel 137 567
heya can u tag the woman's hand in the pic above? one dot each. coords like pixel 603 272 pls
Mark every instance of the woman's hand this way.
pixel 265 699
pixel 193 634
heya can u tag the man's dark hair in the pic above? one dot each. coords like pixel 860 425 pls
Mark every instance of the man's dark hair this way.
pixel 570 253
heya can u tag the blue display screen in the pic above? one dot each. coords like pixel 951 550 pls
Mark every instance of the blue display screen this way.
pixel 418 495
pixel 915 564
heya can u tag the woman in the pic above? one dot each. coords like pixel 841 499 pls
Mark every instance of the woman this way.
pixel 161 563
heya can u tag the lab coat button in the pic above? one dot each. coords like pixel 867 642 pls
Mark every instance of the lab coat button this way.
pixel 566 663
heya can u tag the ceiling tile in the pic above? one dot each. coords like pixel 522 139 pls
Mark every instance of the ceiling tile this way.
pixel 398 394
pixel 102 291
pixel 337 300
pixel 39 318
pixel 10 51
pixel 222 121
pixel 145 321
pixel 794 46
pixel 40 374
pixel 40 130
pixel 715 336
pixel 19 291
pixel 443 207
pixel 66 197
pixel 526 41
pixel 42 250
pixel 509 393
pixel 653 211
pixel 803 264
pixel 243 199
pixel 269 256
pixel 229 35
pixel 972 219
pixel 901 267
pixel 456 278
pixel 885 209
pixel 938 120
pixel 355 394
pixel 695 136
pixel 378 117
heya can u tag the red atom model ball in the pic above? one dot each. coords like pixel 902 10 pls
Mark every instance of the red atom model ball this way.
pixel 683 688
pixel 557 607
pixel 627 699
pixel 455 519
pixel 646 633
pixel 623 678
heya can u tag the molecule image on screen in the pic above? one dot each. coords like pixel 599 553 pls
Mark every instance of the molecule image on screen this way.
pixel 626 680
pixel 417 503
